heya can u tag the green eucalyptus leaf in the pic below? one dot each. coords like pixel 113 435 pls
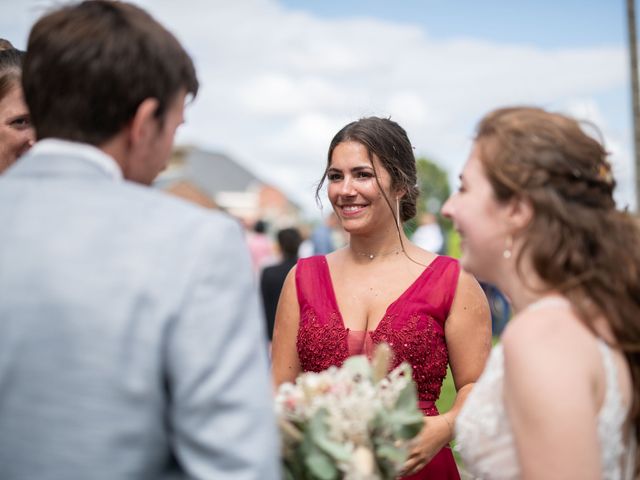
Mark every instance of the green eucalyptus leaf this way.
pixel 393 454
pixel 319 435
pixel 321 466
pixel 408 399
pixel 358 365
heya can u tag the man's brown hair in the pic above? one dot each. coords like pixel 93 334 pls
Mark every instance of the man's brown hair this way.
pixel 89 66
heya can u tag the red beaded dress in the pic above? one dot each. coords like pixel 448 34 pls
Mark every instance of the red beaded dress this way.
pixel 413 325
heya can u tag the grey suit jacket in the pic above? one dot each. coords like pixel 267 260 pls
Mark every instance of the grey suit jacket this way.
pixel 131 343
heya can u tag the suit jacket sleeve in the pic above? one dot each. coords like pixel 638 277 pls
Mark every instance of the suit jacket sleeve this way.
pixel 221 410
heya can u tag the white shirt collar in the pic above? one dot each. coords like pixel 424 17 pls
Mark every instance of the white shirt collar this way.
pixel 56 146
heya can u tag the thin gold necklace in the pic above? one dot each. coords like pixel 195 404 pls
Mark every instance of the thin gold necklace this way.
pixel 371 256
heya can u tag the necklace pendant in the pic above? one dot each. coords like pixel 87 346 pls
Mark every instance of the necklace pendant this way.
pixel 371 256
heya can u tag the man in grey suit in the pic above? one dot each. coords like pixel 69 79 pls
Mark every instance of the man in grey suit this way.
pixel 131 343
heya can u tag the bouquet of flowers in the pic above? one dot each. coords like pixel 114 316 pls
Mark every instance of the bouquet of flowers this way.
pixel 350 423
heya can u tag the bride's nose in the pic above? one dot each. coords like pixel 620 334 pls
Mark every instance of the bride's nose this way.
pixel 447 209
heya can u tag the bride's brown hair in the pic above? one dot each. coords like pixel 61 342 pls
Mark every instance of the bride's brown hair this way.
pixel 577 241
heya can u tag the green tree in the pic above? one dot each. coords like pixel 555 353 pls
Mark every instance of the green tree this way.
pixel 433 181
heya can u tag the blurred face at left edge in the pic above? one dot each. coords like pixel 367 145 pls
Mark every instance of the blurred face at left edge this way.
pixel 16 132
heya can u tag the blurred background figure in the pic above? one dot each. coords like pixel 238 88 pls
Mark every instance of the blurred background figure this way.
pixel 260 245
pixel 328 236
pixel 428 235
pixel 16 133
pixel 499 306
pixel 272 278
pixel 324 238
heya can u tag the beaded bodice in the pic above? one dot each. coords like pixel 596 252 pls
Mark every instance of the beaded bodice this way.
pixel 413 325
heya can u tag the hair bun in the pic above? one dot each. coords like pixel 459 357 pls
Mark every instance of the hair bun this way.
pixel 5 45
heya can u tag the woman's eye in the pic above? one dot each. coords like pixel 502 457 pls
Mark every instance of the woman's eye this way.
pixel 21 123
pixel 333 177
pixel 364 175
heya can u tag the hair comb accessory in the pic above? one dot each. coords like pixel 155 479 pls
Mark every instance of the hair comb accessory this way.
pixel 604 173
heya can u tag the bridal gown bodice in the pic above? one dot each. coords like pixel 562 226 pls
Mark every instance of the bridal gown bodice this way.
pixel 485 439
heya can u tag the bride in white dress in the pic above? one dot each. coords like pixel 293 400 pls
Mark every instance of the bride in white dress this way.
pixel 559 397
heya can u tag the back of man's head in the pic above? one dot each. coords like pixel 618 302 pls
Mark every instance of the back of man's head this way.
pixel 289 240
pixel 90 65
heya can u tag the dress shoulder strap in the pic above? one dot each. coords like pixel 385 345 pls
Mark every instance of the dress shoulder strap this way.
pixel 437 285
pixel 313 286
pixel 611 420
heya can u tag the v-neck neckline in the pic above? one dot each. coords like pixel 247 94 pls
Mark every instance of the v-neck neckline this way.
pixel 334 300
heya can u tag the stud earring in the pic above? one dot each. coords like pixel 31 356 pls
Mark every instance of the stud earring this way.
pixel 506 253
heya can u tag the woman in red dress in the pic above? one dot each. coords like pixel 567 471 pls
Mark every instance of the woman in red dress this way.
pixel 383 288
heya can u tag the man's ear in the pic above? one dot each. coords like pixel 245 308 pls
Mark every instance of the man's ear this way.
pixel 144 124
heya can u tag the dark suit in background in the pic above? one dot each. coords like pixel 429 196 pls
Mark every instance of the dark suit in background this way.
pixel 272 278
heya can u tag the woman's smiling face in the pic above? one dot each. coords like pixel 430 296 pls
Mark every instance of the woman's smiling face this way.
pixel 354 191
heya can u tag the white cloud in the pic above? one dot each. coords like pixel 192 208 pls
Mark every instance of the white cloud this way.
pixel 278 84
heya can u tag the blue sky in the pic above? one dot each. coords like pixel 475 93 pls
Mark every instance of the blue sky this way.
pixel 545 23
pixel 280 77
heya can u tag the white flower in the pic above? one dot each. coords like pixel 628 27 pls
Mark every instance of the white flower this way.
pixel 362 465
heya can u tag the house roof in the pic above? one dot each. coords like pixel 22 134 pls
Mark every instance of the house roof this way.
pixel 211 172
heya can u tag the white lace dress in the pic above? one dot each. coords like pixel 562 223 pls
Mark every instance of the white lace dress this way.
pixel 485 440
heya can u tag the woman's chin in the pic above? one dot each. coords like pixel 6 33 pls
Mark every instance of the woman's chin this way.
pixel 467 263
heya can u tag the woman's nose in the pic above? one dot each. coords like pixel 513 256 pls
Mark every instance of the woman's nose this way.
pixel 31 136
pixel 29 140
pixel 347 187
pixel 447 208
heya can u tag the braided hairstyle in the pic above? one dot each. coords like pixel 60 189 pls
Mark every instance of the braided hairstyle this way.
pixel 578 242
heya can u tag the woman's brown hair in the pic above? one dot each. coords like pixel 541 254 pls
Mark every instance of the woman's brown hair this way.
pixel 10 67
pixel 578 242
pixel 388 141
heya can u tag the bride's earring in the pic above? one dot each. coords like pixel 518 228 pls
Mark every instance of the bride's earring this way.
pixel 506 253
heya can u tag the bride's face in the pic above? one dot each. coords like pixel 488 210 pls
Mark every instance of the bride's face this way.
pixel 479 218
pixel 354 192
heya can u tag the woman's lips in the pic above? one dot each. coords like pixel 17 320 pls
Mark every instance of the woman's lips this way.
pixel 351 210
